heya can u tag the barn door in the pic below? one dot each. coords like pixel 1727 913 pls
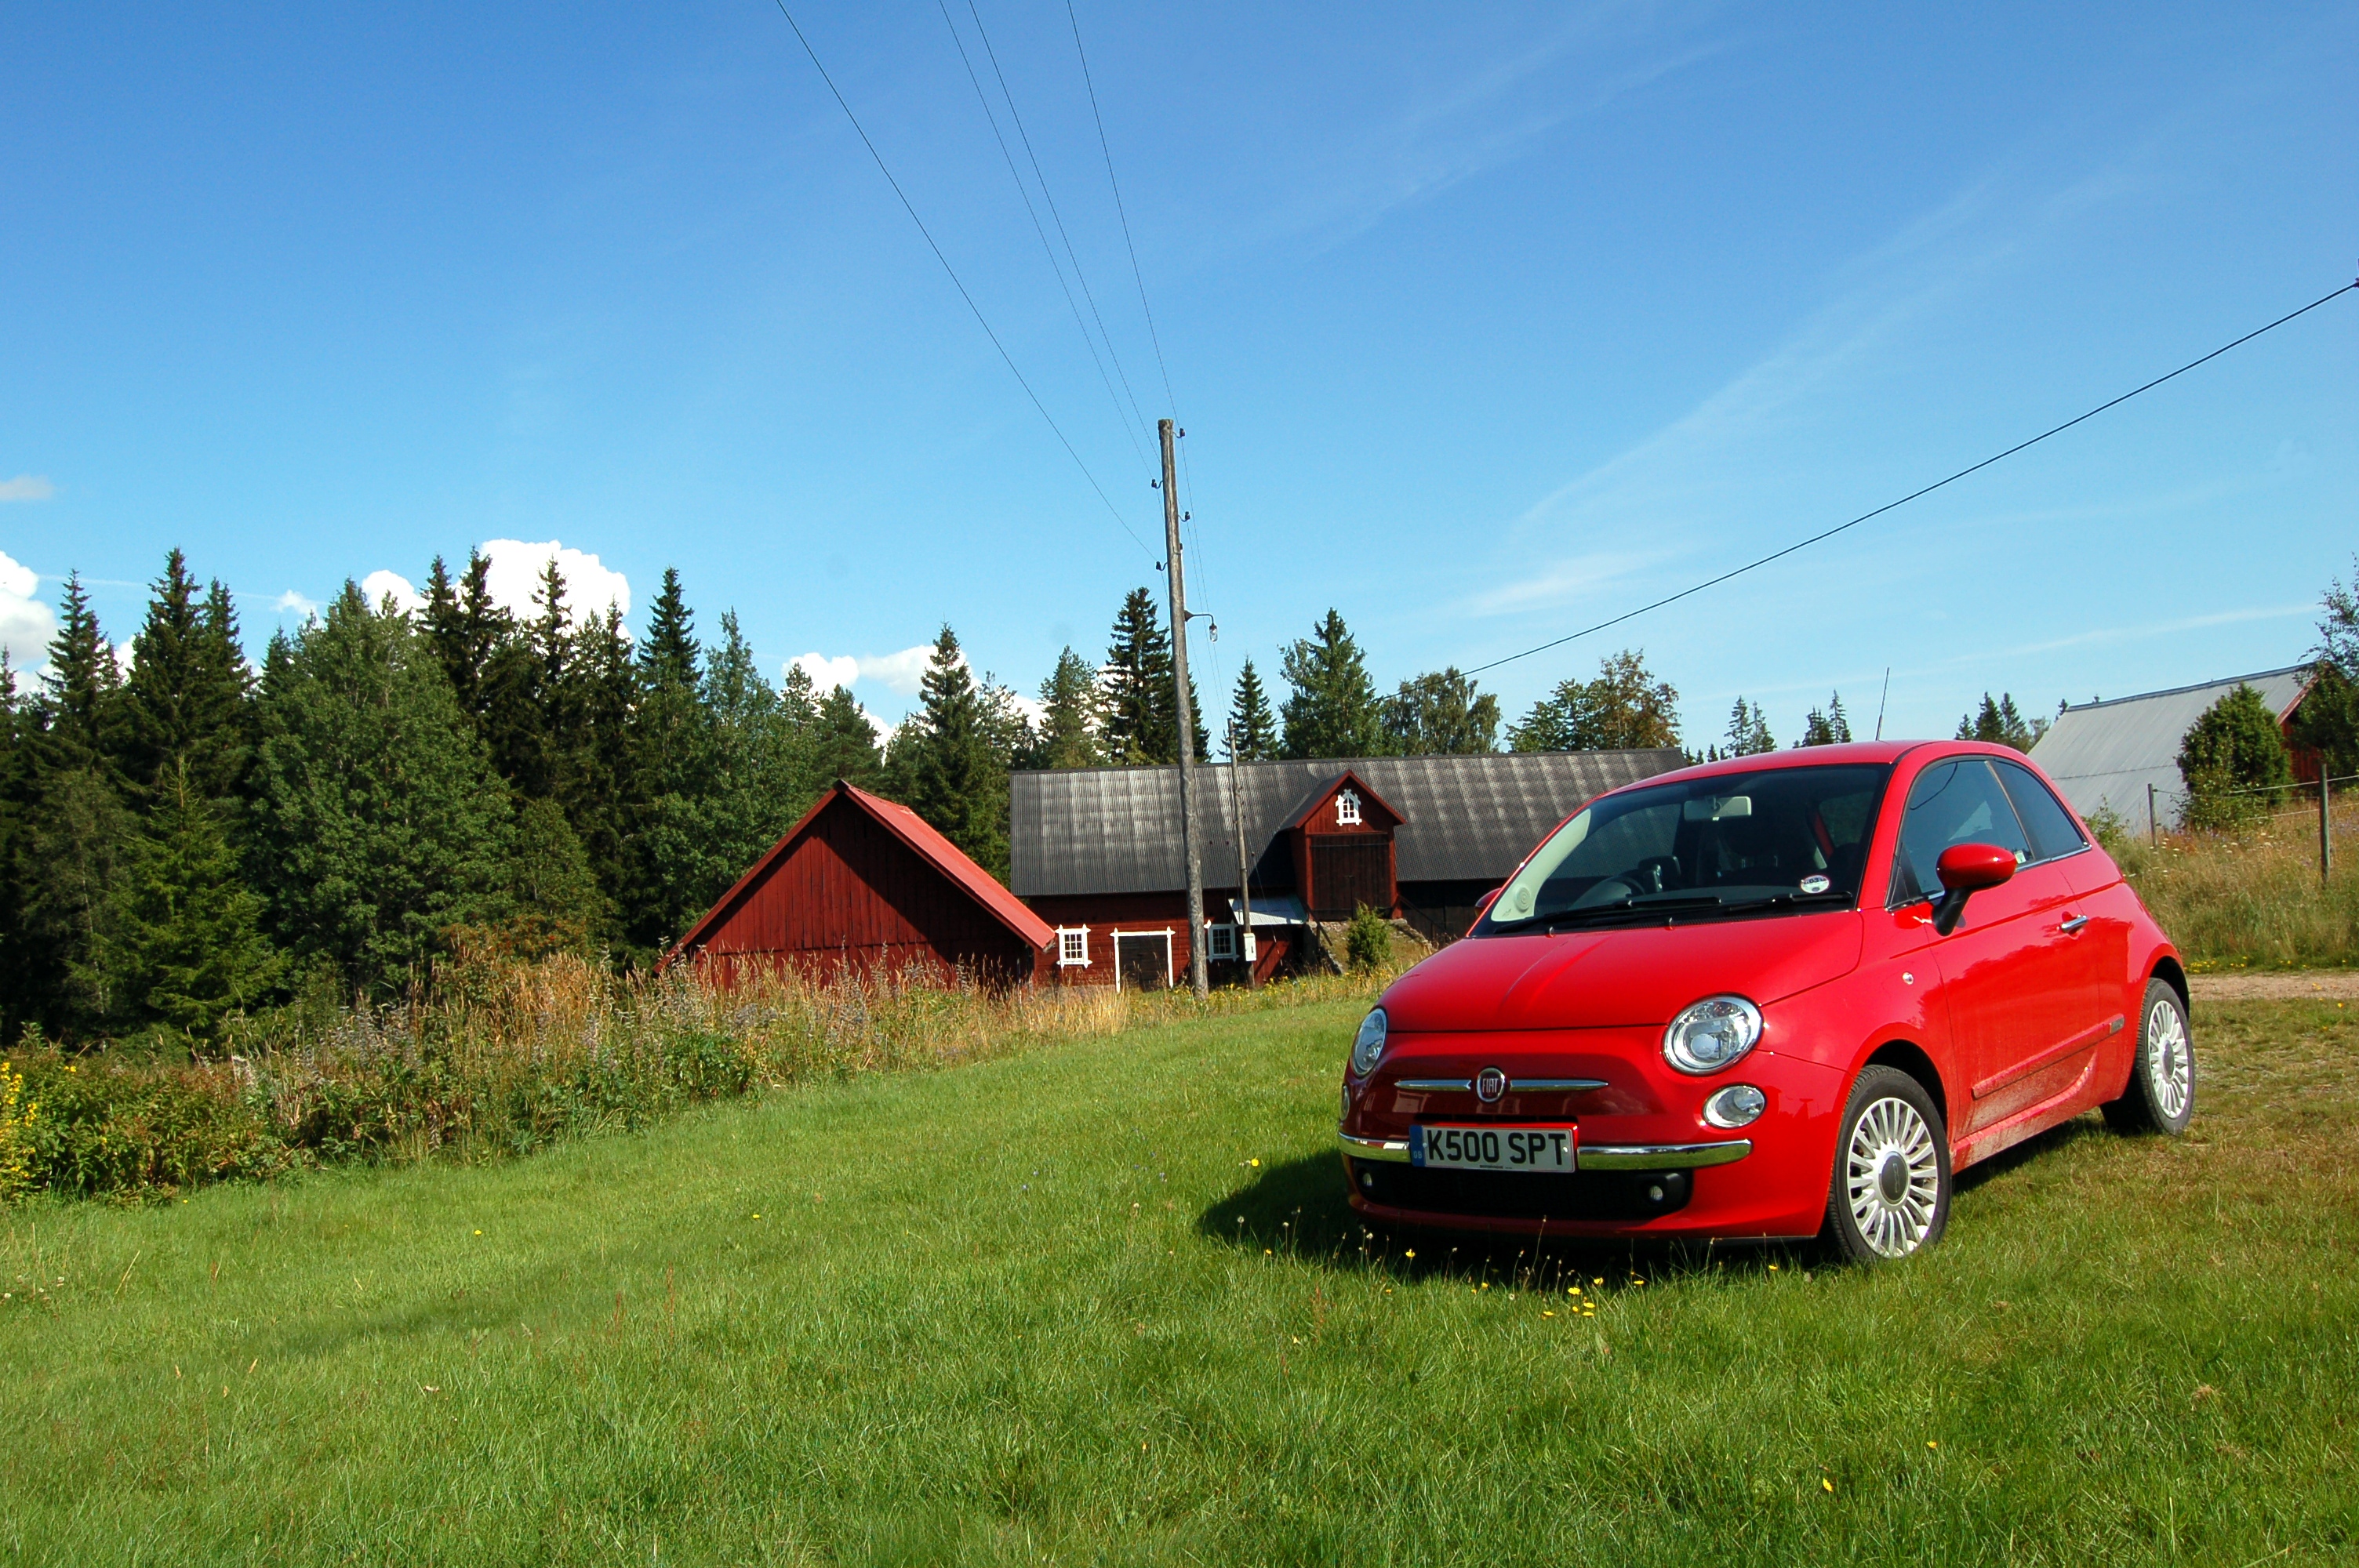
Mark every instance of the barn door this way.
pixel 1143 960
pixel 1346 872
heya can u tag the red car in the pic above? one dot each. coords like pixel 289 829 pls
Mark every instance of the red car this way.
pixel 1787 995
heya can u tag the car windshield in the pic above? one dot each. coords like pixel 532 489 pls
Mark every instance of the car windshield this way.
pixel 1766 842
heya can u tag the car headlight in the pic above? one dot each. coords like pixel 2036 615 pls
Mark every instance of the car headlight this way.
pixel 1369 1046
pixel 1711 1034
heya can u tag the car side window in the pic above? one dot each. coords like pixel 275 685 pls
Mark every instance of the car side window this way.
pixel 2044 818
pixel 1955 802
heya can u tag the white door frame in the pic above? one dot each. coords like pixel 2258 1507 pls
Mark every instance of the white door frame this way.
pixel 1170 976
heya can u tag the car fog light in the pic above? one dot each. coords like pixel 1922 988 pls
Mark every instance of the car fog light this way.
pixel 1368 1048
pixel 1711 1034
pixel 1738 1105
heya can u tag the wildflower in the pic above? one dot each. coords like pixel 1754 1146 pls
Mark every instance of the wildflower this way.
pixel 1412 1252
pixel 1773 1268
pixel 757 1217
pixel 479 1233
pixel 1547 1315
pixel 1932 1443
pixel 1830 1486
pixel 1255 1163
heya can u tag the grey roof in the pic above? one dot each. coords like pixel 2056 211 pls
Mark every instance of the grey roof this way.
pixel 2105 755
pixel 1098 830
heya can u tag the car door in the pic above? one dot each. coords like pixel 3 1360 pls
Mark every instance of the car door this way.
pixel 2017 985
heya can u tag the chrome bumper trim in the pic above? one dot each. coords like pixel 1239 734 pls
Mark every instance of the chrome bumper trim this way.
pixel 1435 1086
pixel 1392 1149
pixel 1590 1156
pixel 1661 1156
pixel 1514 1086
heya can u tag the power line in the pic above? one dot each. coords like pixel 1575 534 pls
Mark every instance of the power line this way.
pixel 1169 401
pixel 1030 211
pixel 952 271
pixel 1078 276
pixel 1912 495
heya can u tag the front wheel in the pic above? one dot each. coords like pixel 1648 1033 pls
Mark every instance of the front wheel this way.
pixel 2161 1096
pixel 1890 1196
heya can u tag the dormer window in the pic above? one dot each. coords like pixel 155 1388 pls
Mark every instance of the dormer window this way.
pixel 1347 809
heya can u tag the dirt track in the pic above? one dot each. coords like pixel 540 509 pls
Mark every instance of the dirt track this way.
pixel 2333 985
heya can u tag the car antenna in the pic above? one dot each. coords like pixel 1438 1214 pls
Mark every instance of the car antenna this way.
pixel 1879 702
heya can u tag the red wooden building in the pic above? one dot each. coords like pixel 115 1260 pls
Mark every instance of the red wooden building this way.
pixel 862 884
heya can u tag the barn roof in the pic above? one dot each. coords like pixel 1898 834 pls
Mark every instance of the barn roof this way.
pixel 2103 754
pixel 1099 831
pixel 911 829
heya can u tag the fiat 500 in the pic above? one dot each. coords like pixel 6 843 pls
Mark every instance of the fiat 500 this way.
pixel 1778 995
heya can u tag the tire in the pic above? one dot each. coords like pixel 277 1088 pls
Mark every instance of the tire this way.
pixel 1890 1194
pixel 2160 1094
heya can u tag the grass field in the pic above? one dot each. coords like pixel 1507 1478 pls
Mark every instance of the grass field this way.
pixel 1008 1312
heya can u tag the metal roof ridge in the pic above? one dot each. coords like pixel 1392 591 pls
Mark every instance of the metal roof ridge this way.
pixel 2192 686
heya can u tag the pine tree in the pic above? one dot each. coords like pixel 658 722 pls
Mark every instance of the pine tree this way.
pixel 1748 732
pixel 1441 715
pixel 73 838
pixel 1333 710
pixel 1071 716
pixel 1626 707
pixel 1142 704
pixel 187 950
pixel 378 820
pixel 1827 726
pixel 944 758
pixel 1252 729
pixel 183 709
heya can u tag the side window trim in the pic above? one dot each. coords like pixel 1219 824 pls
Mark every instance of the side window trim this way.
pixel 1893 901
pixel 2082 843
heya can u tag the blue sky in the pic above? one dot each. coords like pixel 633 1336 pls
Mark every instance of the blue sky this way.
pixel 1484 324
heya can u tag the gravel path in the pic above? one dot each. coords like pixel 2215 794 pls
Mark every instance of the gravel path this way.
pixel 2333 985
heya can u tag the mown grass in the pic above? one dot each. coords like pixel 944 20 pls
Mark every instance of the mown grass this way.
pixel 1007 1313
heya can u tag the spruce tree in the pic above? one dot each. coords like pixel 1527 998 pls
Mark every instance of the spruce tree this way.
pixel 183 709
pixel 1252 729
pixel 1748 732
pixel 1140 727
pixel 1071 716
pixel 378 820
pixel 2234 761
pixel 1333 710
pixel 187 950
pixel 944 758
pixel 2001 723
pixel 843 742
pixel 1828 726
pixel 1441 715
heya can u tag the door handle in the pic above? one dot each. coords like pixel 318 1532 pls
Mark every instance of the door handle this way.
pixel 2072 927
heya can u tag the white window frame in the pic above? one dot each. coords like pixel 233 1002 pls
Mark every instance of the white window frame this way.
pixel 1347 809
pixel 1219 942
pixel 1066 936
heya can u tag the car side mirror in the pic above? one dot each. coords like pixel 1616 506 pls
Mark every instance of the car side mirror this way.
pixel 1966 870
pixel 1482 904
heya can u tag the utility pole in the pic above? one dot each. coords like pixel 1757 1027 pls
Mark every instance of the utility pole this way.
pixel 1245 946
pixel 1188 834
pixel 2325 826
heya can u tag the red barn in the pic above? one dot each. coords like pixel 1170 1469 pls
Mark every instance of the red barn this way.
pixel 863 884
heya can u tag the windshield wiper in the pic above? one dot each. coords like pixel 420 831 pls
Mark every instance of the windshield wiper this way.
pixel 1644 905
pixel 1785 899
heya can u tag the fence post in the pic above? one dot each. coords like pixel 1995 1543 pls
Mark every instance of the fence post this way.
pixel 2153 823
pixel 2325 828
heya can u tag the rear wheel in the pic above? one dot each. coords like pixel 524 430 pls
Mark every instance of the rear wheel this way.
pixel 1890 1196
pixel 2161 1096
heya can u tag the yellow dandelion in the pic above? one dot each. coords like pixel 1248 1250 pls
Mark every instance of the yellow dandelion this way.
pixel 1255 1163
pixel 479 1233
pixel 1773 1268
pixel 1412 1252
pixel 1932 1443
pixel 1547 1315
pixel 757 1217
pixel 1830 1486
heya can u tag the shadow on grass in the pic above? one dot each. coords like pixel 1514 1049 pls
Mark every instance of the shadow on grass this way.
pixel 2038 1147
pixel 1302 1209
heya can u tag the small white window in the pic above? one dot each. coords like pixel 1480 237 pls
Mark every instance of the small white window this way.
pixel 1072 945
pixel 1347 809
pixel 1219 942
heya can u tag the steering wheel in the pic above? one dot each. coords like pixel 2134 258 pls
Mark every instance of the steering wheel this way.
pixel 1657 872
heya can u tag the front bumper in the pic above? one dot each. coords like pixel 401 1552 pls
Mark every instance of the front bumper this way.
pixel 1588 1156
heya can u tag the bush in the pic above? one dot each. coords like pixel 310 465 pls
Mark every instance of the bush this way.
pixel 2234 760
pixel 1368 940
pixel 17 1115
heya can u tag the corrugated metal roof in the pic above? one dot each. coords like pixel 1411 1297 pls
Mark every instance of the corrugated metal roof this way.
pixel 2103 755
pixel 1096 830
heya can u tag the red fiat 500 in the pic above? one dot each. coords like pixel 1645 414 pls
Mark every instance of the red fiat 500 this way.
pixel 1778 995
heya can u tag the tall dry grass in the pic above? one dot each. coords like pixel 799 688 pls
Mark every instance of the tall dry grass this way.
pixel 2251 897
pixel 501 1055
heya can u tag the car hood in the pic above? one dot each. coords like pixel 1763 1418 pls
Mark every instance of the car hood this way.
pixel 1590 979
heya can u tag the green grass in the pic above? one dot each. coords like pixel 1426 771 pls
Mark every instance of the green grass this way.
pixel 1005 1312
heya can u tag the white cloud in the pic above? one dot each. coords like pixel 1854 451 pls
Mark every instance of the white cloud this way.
pixel 900 673
pixel 26 623
pixel 590 585
pixel 827 674
pixel 293 603
pixel 381 585
pixel 31 487
pixel 1561 583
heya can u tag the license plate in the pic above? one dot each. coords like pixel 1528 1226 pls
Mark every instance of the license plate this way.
pixel 1545 1151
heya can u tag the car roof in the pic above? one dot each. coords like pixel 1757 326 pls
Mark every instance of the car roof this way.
pixel 1875 752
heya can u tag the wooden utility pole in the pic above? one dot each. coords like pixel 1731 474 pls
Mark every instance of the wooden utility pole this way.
pixel 1245 946
pixel 2325 826
pixel 1188 834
